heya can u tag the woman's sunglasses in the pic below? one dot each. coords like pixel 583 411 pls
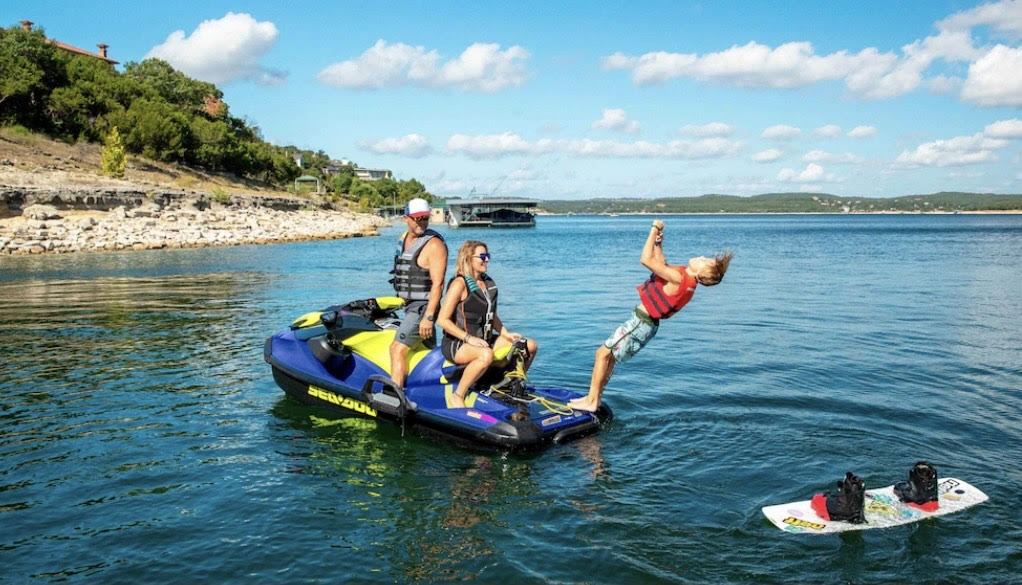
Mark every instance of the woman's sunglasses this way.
pixel 485 256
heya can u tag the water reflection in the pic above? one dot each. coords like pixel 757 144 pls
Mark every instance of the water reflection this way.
pixel 591 450
pixel 428 509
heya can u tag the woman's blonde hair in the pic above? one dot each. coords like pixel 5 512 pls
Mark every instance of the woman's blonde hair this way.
pixel 463 265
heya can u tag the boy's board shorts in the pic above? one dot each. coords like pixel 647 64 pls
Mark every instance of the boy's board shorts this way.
pixel 632 335
pixel 408 331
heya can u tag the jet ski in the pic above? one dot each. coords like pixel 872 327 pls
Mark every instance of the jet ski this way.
pixel 339 358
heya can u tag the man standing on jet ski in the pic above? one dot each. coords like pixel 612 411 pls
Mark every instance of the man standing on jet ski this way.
pixel 420 266
pixel 668 289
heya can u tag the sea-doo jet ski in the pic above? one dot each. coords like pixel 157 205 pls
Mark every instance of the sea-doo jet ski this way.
pixel 339 358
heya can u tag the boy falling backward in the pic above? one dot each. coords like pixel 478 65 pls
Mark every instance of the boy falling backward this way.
pixel 668 289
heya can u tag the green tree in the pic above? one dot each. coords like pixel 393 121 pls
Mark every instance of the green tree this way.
pixel 361 190
pixel 30 69
pixel 411 189
pixel 341 183
pixel 171 85
pixel 113 158
pixel 157 130
pixel 388 189
pixel 94 90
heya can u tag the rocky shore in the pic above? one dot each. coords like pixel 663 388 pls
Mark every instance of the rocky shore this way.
pixel 38 220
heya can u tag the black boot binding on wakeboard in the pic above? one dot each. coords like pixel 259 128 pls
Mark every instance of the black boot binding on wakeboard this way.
pixel 920 490
pixel 848 505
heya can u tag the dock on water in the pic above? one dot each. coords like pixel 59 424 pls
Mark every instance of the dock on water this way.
pixel 488 212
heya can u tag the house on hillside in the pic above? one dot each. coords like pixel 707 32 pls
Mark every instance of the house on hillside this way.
pixel 373 174
pixel 27 26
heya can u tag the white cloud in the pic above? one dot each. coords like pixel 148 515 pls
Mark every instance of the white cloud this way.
pixel 751 65
pixel 490 146
pixel 768 155
pixel 942 84
pixel 682 149
pixel 1004 129
pixel 812 172
pixel 410 145
pixel 707 130
pixel 994 79
pixel 961 150
pixel 480 67
pixel 781 132
pixel 1004 17
pixel 828 131
pixel 493 145
pixel 862 132
pixel 822 156
pixel 869 73
pixel 222 51
pixel 617 61
pixel 617 119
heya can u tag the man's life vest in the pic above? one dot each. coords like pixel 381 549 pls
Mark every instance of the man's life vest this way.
pixel 476 313
pixel 411 281
pixel 657 303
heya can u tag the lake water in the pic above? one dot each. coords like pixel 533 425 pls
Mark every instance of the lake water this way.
pixel 142 438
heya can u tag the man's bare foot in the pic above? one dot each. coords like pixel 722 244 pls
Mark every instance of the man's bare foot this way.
pixel 455 401
pixel 584 404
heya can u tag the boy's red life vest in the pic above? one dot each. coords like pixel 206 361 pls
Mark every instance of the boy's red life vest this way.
pixel 657 303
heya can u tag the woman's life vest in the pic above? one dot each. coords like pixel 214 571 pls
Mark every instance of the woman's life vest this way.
pixel 657 303
pixel 476 313
pixel 411 281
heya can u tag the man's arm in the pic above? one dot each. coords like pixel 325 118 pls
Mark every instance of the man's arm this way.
pixel 437 261
pixel 652 256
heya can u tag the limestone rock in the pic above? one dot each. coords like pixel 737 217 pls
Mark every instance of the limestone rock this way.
pixel 40 212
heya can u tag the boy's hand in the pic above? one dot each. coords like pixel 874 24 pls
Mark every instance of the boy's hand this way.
pixel 659 225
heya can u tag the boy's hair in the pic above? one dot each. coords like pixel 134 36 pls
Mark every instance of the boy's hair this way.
pixel 464 262
pixel 720 263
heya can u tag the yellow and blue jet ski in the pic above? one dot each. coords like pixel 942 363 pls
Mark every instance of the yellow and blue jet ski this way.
pixel 339 358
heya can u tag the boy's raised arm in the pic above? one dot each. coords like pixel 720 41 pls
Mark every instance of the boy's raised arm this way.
pixel 652 256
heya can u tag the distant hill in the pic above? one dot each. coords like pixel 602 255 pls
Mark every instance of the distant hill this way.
pixel 947 202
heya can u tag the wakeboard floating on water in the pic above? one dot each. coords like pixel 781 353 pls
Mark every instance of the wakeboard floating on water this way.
pixel 883 509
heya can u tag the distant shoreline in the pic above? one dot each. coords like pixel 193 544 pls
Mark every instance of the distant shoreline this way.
pixel 648 213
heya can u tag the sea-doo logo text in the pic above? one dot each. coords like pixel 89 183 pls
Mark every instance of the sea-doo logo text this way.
pixel 803 523
pixel 342 401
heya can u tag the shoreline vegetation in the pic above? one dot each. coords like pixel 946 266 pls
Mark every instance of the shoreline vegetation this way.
pixel 142 156
pixel 776 203
pixel 53 200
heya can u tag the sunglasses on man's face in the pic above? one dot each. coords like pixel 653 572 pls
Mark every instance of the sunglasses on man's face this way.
pixel 485 256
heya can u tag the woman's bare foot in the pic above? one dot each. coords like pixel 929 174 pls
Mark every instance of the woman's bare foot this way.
pixel 455 401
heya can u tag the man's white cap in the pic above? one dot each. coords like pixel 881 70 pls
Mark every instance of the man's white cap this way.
pixel 417 208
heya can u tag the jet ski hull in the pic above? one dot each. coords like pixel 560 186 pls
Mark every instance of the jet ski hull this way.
pixel 330 368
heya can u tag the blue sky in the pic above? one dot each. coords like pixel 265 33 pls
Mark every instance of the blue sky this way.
pixel 596 99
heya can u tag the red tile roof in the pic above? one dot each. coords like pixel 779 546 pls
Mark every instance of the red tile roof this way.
pixel 27 26
pixel 77 51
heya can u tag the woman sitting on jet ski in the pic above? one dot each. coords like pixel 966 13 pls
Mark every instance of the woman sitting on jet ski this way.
pixel 468 316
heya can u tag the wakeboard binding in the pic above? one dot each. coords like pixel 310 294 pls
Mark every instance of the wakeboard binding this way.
pixel 921 488
pixel 847 505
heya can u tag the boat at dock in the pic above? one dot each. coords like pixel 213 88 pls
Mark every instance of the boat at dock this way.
pixel 490 212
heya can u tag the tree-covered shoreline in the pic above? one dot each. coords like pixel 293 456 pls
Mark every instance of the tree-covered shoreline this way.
pixel 944 202
pixel 163 115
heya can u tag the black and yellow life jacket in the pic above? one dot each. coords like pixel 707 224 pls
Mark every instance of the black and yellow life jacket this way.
pixel 411 281
pixel 476 313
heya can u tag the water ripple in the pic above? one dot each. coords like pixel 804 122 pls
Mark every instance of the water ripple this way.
pixel 143 438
